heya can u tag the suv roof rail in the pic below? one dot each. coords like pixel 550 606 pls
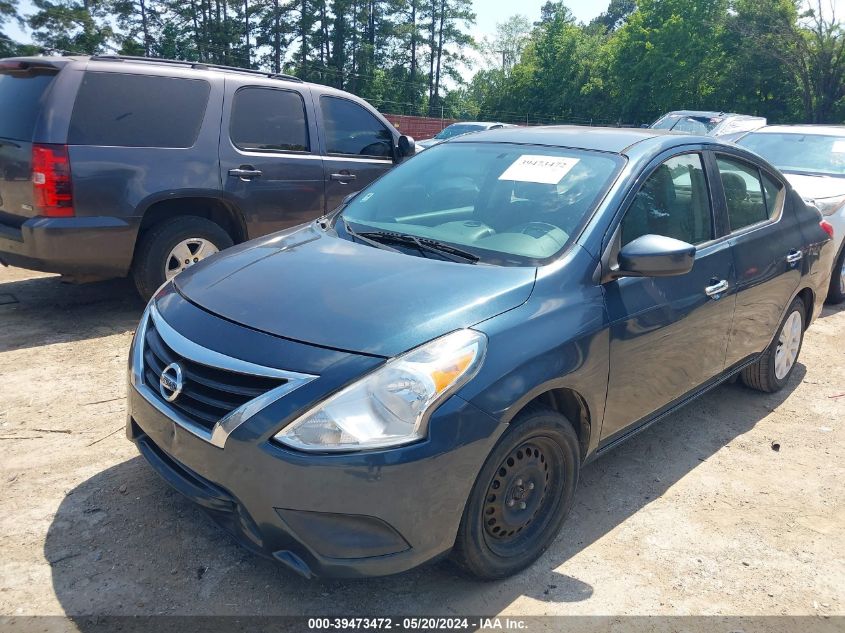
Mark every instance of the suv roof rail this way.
pixel 196 65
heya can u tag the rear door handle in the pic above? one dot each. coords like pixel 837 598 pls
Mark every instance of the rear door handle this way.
pixel 245 172
pixel 794 257
pixel 716 290
pixel 344 177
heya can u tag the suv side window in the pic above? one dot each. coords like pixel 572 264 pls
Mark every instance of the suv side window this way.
pixel 673 202
pixel 352 130
pixel 124 110
pixel 268 119
pixel 743 192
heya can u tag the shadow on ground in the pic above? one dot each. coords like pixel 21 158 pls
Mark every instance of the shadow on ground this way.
pixel 44 310
pixel 830 310
pixel 123 543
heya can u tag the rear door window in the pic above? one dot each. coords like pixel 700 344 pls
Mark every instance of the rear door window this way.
pixel 267 119
pixel 20 103
pixel 127 110
pixel 352 130
pixel 743 192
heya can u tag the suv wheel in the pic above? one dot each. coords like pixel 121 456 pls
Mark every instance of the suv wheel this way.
pixel 521 497
pixel 172 246
pixel 772 370
pixel 836 292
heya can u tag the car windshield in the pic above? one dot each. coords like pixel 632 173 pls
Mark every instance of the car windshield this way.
pixel 505 204
pixel 457 129
pixel 689 124
pixel 808 153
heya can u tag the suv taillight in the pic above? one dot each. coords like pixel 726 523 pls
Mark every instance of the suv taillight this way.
pixel 51 183
pixel 827 227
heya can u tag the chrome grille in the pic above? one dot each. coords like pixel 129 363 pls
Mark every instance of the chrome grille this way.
pixel 218 392
pixel 209 394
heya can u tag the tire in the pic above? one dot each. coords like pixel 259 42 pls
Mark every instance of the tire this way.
pixel 836 292
pixel 154 255
pixel 497 539
pixel 766 374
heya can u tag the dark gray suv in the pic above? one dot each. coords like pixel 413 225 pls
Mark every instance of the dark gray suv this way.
pixel 114 165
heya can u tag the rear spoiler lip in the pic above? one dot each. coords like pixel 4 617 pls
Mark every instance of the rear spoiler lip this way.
pixel 12 66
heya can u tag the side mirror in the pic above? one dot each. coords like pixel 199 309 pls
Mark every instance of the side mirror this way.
pixel 655 256
pixel 407 146
pixel 645 126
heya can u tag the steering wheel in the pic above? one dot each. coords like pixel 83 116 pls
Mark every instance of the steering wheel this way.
pixel 575 193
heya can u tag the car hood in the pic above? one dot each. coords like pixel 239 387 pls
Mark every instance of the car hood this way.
pixel 315 287
pixel 817 187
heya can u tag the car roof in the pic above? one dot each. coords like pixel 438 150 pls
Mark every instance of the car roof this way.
pixel 603 139
pixel 821 130
pixel 178 67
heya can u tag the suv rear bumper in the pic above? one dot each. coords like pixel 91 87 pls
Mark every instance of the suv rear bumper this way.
pixel 89 246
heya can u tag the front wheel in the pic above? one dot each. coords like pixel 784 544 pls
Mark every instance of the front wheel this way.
pixel 772 370
pixel 173 245
pixel 521 497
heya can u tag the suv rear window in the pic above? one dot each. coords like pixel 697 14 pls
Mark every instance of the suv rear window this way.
pixel 138 110
pixel 20 97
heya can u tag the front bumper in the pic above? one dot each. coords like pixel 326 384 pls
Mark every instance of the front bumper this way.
pixel 79 246
pixel 354 515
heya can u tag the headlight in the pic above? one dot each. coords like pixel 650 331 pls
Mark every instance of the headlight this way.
pixel 829 206
pixel 390 406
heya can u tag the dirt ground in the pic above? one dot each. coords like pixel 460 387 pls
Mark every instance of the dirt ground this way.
pixel 698 515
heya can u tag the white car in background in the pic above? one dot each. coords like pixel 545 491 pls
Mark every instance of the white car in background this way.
pixel 812 157
pixel 459 129
pixel 725 125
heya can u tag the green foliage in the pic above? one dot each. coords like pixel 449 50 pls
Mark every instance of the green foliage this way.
pixel 782 59
pixel 640 59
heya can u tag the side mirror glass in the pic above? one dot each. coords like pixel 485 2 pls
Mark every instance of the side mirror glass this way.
pixel 655 256
pixel 407 146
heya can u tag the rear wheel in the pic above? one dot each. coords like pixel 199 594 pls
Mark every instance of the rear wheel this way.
pixel 521 497
pixel 773 369
pixel 173 245
pixel 836 292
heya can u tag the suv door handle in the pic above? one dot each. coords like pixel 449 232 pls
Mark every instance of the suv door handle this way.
pixel 245 172
pixel 344 178
pixel 715 291
pixel 794 257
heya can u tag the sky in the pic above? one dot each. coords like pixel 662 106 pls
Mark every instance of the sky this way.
pixel 489 13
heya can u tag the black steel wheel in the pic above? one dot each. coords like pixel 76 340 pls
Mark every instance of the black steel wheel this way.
pixel 521 496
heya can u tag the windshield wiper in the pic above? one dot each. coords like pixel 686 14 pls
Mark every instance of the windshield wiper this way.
pixel 363 237
pixel 424 244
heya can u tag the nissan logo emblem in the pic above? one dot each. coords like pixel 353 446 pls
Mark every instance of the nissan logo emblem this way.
pixel 170 383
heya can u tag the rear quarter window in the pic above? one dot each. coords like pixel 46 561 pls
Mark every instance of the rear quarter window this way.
pixel 20 103
pixel 124 110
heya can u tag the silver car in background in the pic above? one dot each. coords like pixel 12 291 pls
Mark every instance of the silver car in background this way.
pixel 812 157
pixel 724 125
pixel 459 129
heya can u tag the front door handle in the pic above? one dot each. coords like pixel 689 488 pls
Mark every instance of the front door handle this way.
pixel 245 172
pixel 716 290
pixel 344 177
pixel 794 257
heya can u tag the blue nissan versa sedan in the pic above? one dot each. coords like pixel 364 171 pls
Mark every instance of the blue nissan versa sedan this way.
pixel 425 370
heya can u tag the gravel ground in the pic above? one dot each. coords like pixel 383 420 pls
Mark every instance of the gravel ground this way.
pixel 699 515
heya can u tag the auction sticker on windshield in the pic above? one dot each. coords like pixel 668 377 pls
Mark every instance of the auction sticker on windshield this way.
pixel 547 170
